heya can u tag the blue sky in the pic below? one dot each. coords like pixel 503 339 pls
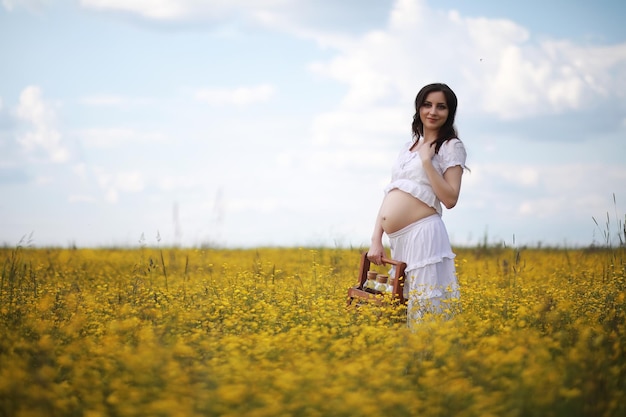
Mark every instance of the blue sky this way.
pixel 275 122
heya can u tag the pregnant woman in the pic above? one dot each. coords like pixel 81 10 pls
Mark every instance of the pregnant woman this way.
pixel 426 174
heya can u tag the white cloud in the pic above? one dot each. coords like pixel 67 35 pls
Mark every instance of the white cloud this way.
pixel 122 182
pixel 33 5
pixel 517 175
pixel 551 77
pixel 361 128
pixel 152 9
pixel 80 170
pixel 113 100
pixel 562 177
pixel 129 182
pixel 80 198
pixel 481 30
pixel 494 65
pixel 42 134
pixel 556 206
pixel 116 136
pixel 240 96
pixel 549 191
pixel 172 10
pixel 183 181
pixel 263 205
pixel 322 162
pixel 288 21
pixel 44 180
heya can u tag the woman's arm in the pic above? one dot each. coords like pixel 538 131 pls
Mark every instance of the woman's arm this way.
pixel 376 251
pixel 447 186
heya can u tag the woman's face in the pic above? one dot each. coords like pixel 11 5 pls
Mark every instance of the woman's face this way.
pixel 434 111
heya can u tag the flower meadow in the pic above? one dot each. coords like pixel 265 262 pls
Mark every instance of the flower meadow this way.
pixel 267 332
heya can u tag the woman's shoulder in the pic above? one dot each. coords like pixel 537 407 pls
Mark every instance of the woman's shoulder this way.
pixel 453 152
pixel 453 145
pixel 453 142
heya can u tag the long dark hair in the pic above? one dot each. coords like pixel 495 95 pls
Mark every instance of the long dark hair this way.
pixel 447 131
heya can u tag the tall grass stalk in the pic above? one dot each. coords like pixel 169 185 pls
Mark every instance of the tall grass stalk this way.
pixel 615 262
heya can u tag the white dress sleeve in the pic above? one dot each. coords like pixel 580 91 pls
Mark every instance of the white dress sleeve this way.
pixel 452 153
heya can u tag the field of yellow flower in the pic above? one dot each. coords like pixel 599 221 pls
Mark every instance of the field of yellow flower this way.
pixel 266 332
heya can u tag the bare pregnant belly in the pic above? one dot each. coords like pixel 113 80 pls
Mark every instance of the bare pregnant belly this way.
pixel 400 209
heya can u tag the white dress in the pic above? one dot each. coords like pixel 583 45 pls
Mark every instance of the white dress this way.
pixel 431 284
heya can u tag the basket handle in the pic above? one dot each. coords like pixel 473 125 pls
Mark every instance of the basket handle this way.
pixel 365 266
pixel 389 261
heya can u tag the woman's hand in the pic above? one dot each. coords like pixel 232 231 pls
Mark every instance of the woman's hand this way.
pixel 425 150
pixel 376 253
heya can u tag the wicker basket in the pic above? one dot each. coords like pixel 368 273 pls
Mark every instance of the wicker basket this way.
pixel 359 292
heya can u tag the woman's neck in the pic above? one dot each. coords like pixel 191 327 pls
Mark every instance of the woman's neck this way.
pixel 430 136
